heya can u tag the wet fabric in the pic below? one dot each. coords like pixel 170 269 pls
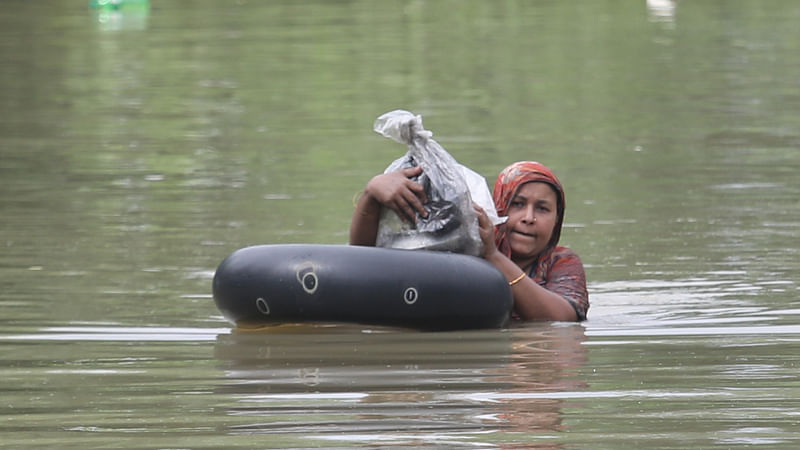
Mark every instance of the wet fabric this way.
pixel 558 269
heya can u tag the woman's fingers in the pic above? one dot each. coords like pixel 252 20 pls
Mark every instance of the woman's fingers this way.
pixel 396 190
pixel 485 228
pixel 415 197
pixel 483 219
pixel 404 210
pixel 412 172
pixel 416 189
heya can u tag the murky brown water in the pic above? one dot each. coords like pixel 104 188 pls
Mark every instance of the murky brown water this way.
pixel 140 147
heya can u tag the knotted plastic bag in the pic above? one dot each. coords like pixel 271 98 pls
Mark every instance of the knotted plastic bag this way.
pixel 451 189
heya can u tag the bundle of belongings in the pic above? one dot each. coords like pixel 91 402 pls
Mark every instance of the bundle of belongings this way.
pixel 451 189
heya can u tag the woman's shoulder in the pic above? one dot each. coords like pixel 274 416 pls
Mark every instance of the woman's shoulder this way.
pixel 558 262
pixel 561 261
pixel 563 253
pixel 567 277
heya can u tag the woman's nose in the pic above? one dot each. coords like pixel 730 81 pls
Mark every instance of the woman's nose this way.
pixel 530 215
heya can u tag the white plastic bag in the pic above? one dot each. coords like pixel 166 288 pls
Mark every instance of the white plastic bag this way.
pixel 451 188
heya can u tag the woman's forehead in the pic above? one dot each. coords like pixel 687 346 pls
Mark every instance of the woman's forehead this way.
pixel 537 190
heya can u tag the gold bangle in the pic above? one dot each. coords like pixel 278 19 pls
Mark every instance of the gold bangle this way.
pixel 517 280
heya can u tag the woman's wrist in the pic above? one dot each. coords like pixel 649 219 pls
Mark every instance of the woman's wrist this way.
pixel 367 204
pixel 492 254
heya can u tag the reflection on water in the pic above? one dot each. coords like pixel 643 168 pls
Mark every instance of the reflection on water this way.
pixel 548 385
pixel 390 384
pixel 298 386
pixel 131 16
pixel 662 10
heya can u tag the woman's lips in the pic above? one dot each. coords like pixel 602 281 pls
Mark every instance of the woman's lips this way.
pixel 533 236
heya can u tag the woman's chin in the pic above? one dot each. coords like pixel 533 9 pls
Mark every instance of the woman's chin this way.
pixel 522 250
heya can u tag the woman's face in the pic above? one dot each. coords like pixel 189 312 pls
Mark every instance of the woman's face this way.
pixel 532 215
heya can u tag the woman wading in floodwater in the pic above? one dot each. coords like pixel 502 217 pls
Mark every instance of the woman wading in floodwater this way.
pixel 547 280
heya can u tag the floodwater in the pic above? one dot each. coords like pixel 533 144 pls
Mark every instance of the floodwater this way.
pixel 140 146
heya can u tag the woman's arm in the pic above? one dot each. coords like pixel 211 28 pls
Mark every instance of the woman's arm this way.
pixel 531 301
pixel 394 190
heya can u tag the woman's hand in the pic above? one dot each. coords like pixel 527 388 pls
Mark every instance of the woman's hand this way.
pixel 531 301
pixel 394 190
pixel 486 230
pixel 397 191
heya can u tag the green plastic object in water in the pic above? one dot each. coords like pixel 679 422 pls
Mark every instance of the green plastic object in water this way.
pixel 118 4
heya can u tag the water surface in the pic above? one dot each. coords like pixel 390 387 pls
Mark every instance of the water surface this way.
pixel 139 147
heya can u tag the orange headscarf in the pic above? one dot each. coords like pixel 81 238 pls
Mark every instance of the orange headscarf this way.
pixel 506 187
